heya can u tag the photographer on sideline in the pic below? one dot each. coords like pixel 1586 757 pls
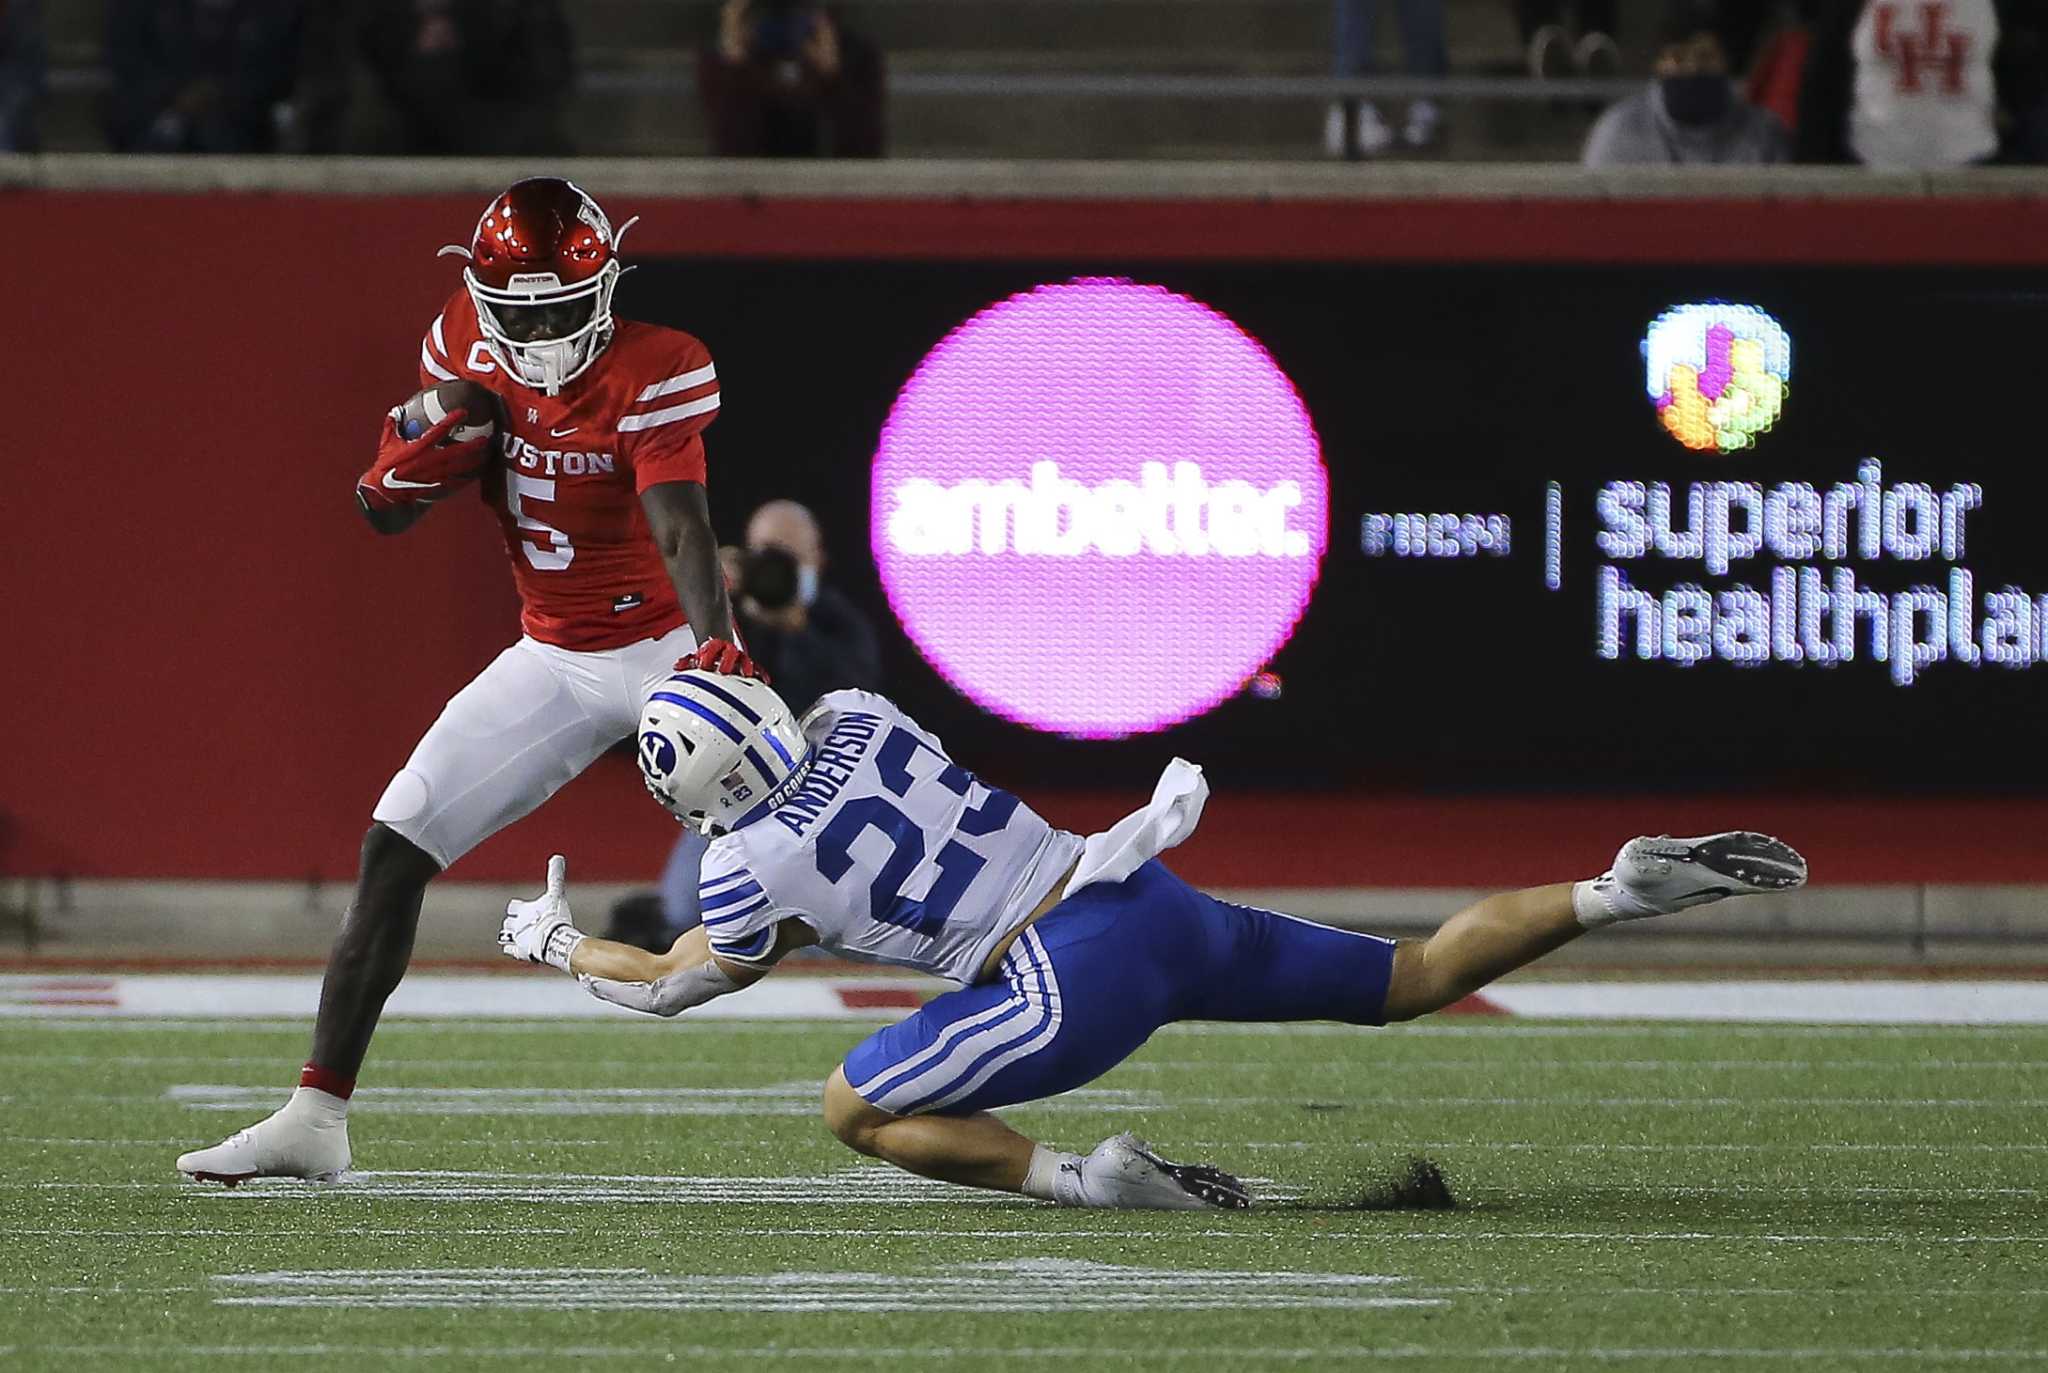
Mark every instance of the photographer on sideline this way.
pixel 807 637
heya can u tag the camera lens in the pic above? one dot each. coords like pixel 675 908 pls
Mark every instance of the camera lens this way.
pixel 770 577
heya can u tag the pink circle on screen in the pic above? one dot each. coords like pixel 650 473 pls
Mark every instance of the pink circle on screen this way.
pixel 1099 507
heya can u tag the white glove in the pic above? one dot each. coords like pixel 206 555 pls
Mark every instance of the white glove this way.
pixel 543 931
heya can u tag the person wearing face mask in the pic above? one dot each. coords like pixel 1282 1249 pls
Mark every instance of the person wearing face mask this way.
pixel 1691 113
pixel 808 638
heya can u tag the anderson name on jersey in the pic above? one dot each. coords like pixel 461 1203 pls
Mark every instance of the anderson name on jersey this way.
pixel 885 847
pixel 568 471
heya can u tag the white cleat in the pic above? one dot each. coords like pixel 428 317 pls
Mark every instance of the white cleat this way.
pixel 1124 1174
pixel 1661 875
pixel 282 1145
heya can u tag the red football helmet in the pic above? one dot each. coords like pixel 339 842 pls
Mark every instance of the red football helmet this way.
pixel 541 271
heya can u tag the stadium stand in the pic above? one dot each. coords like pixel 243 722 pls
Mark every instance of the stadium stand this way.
pixel 1037 78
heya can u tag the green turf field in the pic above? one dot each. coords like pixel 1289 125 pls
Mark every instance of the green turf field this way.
pixel 1638 1197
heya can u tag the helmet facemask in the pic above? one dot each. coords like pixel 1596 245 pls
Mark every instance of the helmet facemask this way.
pixel 543 334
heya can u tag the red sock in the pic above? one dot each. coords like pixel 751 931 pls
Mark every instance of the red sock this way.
pixel 326 1080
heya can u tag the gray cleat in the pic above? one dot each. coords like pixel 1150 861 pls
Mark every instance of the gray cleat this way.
pixel 1665 874
pixel 1123 1173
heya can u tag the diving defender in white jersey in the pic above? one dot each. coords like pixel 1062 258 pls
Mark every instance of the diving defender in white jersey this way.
pixel 854 830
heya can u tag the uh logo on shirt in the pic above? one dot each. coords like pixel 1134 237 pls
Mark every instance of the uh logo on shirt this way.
pixel 1917 44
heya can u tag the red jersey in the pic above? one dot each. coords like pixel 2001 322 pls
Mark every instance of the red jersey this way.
pixel 569 470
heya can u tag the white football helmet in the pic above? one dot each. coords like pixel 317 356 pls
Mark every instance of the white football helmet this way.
pixel 715 750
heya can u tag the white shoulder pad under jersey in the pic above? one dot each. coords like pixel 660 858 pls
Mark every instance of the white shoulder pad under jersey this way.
pixel 887 848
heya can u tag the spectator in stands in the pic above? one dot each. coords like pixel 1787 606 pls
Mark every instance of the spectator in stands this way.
pixel 1921 85
pixel 200 76
pixel 807 636
pixel 22 61
pixel 1354 127
pixel 788 78
pixel 474 76
pixel 1554 53
pixel 1691 113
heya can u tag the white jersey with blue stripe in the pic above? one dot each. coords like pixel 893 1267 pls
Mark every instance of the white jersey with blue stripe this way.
pixel 886 847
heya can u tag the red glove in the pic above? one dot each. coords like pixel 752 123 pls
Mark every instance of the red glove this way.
pixel 421 469
pixel 723 657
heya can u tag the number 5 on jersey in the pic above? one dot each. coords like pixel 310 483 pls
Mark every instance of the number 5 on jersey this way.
pixel 559 554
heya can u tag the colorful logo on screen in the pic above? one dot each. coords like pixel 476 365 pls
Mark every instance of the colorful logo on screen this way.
pixel 1717 373
pixel 1099 508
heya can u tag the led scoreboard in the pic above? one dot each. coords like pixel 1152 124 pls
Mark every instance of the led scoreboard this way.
pixel 1456 525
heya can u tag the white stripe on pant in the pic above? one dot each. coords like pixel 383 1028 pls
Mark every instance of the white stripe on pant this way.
pixel 942 1043
pixel 936 1087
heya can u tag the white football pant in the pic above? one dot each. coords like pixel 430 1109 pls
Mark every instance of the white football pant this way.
pixel 533 719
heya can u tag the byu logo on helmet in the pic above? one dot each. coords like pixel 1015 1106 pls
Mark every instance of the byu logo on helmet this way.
pixel 657 754
pixel 716 751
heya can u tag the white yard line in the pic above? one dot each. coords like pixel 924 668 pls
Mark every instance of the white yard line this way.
pixel 1563 1099
pixel 1569 1293
pixel 382 1141
pixel 1019 1285
pixel 1214 1355
pixel 182 1060
pixel 1526 1146
pixel 209 1232
pixel 1457 1027
pixel 1381 1066
pixel 1493 1063
pixel 1060 1233
pixel 475 997
pixel 800 1098
pixel 1442 1027
pixel 431 996
pixel 397 1027
pixel 1453 1235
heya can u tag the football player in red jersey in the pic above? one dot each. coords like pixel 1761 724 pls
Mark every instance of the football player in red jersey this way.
pixel 595 468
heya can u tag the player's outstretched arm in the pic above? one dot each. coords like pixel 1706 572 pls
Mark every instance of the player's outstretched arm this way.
pixel 691 974
pixel 679 517
pixel 625 963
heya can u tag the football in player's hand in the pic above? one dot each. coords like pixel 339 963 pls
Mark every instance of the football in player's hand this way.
pixel 481 414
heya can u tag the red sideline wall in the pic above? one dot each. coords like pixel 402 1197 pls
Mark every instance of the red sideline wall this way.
pixel 210 666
